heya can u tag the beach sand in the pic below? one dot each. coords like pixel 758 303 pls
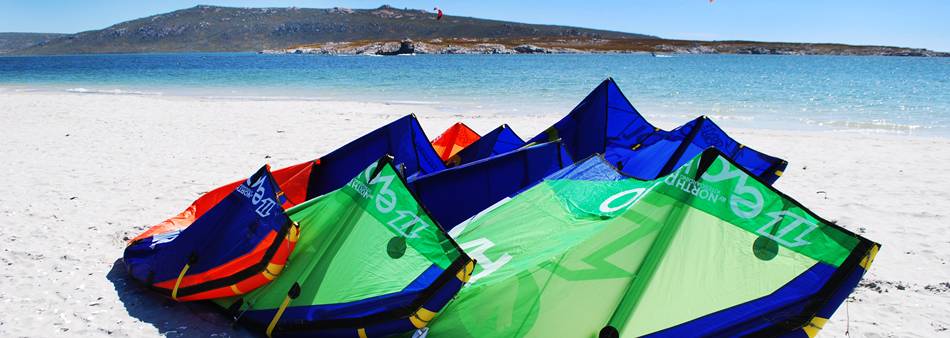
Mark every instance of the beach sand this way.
pixel 85 172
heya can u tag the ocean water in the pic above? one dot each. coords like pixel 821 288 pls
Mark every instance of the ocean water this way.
pixel 874 94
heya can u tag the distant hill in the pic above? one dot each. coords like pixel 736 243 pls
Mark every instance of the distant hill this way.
pixel 13 41
pixel 211 28
pixel 380 30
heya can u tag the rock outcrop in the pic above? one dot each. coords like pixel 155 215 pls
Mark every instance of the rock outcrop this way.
pixel 404 47
pixel 530 49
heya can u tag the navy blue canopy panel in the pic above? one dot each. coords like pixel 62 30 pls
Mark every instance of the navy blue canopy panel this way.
pixel 679 145
pixel 498 141
pixel 604 118
pixel 456 194
pixel 606 123
pixel 403 139
pixel 230 246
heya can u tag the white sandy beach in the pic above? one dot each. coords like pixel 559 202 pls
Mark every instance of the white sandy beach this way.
pixel 87 171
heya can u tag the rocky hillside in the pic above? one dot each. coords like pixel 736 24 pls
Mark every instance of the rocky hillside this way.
pixel 13 41
pixel 210 28
pixel 381 30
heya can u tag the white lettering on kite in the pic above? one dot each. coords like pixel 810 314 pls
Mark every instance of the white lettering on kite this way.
pixel 747 202
pixel 692 187
pixel 264 205
pixel 749 207
pixel 386 198
pixel 360 188
pixel 779 235
pixel 407 223
pixel 476 249
pixel 410 227
pixel 607 207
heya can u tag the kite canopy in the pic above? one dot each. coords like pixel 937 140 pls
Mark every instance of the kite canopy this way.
pixel 369 262
pixel 606 123
pixel 708 250
pixel 498 141
pixel 238 244
pixel 403 139
pixel 453 140
pixel 456 194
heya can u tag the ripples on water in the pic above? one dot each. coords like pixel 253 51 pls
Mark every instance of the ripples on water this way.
pixel 891 94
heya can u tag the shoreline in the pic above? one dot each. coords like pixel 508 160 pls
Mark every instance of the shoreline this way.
pixel 666 117
pixel 650 46
pixel 90 171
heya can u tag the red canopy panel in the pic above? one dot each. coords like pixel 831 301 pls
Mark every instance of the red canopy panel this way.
pixel 453 140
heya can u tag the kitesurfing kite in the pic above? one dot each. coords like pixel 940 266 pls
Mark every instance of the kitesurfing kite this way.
pixel 369 262
pixel 232 240
pixel 707 250
pixel 606 123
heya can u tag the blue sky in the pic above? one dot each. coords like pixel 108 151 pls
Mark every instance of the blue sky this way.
pixel 909 23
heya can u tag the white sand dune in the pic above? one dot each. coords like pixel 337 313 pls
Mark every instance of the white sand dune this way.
pixel 86 172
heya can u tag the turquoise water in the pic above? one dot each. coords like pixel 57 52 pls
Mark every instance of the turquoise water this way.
pixel 882 94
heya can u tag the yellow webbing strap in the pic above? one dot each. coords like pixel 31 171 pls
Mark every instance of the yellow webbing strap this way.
pixel 635 146
pixel 421 318
pixel 291 295
pixel 178 281
pixel 869 257
pixel 361 332
pixel 816 324
pixel 294 234
pixel 466 272
pixel 272 271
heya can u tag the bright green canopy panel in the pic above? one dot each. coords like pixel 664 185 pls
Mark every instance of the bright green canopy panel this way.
pixel 369 262
pixel 706 250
